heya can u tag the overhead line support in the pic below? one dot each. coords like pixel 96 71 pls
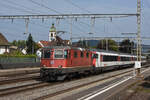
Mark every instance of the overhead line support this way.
pixel 62 16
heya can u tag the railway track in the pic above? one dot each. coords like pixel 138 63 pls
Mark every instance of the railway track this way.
pixel 10 80
pixel 79 86
pixel 66 87
pixel 51 95
pixel 17 89
pixel 24 88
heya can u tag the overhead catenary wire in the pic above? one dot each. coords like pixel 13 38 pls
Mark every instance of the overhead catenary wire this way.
pixel 19 9
pixel 22 10
pixel 22 6
pixel 75 5
pixel 42 5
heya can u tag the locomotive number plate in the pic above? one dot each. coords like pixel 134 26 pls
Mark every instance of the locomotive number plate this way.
pixel 52 62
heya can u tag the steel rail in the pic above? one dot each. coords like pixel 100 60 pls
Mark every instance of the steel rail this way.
pixel 28 87
pixel 80 86
pixel 18 79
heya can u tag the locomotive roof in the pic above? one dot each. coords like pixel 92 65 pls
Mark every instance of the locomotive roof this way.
pixel 79 48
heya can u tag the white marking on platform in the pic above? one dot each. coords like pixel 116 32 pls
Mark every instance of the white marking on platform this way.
pixel 98 92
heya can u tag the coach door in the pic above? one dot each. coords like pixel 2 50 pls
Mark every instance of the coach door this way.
pixel 96 60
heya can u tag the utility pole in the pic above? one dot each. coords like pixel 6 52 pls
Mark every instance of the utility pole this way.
pixel 71 31
pixel 27 25
pixel 106 44
pixel 138 63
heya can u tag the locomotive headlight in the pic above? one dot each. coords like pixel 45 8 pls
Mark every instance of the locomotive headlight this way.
pixel 60 66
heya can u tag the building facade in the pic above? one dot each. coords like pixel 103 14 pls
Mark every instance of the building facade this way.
pixel 4 45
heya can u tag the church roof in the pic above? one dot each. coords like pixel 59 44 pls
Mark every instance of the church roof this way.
pixel 3 40
pixel 58 41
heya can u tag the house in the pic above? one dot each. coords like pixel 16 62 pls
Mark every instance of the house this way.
pixel 4 45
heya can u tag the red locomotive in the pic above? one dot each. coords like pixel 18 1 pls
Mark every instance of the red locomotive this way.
pixel 59 62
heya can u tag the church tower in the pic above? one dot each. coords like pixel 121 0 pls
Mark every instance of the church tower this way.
pixel 52 33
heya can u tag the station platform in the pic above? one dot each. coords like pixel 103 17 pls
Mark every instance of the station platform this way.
pixel 17 71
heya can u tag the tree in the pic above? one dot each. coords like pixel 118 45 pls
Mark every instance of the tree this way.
pixel 19 43
pixel 107 44
pixel 82 43
pixel 126 46
pixel 30 44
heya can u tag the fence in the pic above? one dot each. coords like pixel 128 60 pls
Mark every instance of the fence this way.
pixel 7 60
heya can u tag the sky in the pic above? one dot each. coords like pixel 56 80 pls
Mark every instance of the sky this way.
pixel 13 30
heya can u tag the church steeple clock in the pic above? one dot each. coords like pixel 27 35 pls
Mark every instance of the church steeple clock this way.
pixel 52 33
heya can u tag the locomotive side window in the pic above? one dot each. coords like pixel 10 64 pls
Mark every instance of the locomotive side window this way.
pixel 81 54
pixel 59 54
pixel 110 58
pixel 66 54
pixel 75 54
pixel 87 55
pixel 46 54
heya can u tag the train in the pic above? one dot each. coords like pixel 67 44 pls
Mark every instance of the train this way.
pixel 59 62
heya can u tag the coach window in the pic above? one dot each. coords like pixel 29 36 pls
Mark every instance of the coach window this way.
pixel 75 54
pixel 110 58
pixel 47 54
pixel 125 59
pixel 81 54
pixel 87 55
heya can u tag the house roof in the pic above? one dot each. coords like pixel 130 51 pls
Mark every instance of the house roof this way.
pixel 3 40
pixel 44 43
pixel 58 41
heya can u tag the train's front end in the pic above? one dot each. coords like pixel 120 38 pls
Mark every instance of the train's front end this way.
pixel 53 61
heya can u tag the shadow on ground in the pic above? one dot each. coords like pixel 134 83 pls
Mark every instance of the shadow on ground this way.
pixel 146 84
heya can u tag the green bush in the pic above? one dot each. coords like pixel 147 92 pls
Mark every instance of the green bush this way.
pixel 17 54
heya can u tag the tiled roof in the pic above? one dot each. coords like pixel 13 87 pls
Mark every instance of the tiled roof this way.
pixel 56 42
pixel 45 43
pixel 3 40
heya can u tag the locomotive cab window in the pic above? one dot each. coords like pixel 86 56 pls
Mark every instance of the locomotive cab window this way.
pixel 46 54
pixel 59 54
